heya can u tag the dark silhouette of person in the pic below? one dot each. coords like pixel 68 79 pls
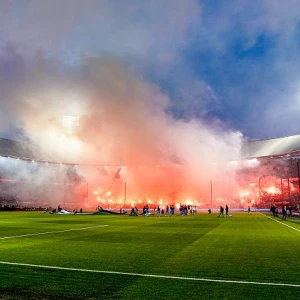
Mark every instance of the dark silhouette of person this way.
pixel 249 210
pixel 226 210
pixel 284 213
pixel 221 212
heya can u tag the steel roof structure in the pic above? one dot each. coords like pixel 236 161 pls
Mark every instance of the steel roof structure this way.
pixel 275 147
pixel 282 147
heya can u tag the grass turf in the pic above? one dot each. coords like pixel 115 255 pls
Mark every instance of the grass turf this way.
pixel 239 248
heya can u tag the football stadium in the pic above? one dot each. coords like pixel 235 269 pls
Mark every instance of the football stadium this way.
pixel 149 149
pixel 266 174
pixel 64 238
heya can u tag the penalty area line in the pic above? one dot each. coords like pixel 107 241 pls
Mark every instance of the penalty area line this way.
pixel 151 275
pixel 49 232
pixel 289 226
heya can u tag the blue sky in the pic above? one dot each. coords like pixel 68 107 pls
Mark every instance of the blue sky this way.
pixel 232 62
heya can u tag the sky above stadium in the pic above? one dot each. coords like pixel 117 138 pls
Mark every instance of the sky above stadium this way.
pixel 231 63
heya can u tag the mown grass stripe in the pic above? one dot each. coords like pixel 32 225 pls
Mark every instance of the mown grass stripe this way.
pixel 152 275
pixel 50 232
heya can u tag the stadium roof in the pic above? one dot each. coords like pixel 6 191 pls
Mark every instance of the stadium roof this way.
pixel 14 148
pixel 282 146
pixel 23 150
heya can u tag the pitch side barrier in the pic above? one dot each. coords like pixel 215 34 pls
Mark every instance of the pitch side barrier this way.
pixel 295 213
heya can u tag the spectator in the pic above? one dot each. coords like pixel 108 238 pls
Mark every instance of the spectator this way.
pixel 158 211
pixel 284 213
pixel 167 210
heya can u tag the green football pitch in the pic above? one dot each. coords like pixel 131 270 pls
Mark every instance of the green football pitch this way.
pixel 46 256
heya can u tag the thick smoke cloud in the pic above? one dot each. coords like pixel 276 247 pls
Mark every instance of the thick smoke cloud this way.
pixel 120 67
pixel 124 129
pixel 150 29
pixel 149 35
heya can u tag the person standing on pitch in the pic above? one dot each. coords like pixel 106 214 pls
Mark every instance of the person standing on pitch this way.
pixel 284 213
pixel 167 210
pixel 221 211
pixel 158 211
pixel 249 210
pixel 226 210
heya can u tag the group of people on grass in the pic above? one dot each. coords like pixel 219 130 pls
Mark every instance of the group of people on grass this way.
pixel 227 211
pixel 169 210
pixel 285 211
pixel 222 211
pixel 187 210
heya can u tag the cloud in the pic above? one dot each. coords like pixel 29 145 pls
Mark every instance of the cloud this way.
pixel 226 21
pixel 247 52
pixel 124 28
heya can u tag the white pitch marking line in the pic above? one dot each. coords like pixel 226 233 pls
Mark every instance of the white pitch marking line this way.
pixel 49 232
pixel 282 223
pixel 152 275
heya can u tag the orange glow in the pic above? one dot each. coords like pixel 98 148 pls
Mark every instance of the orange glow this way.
pixel 273 190
pixel 189 202
pixel 244 193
